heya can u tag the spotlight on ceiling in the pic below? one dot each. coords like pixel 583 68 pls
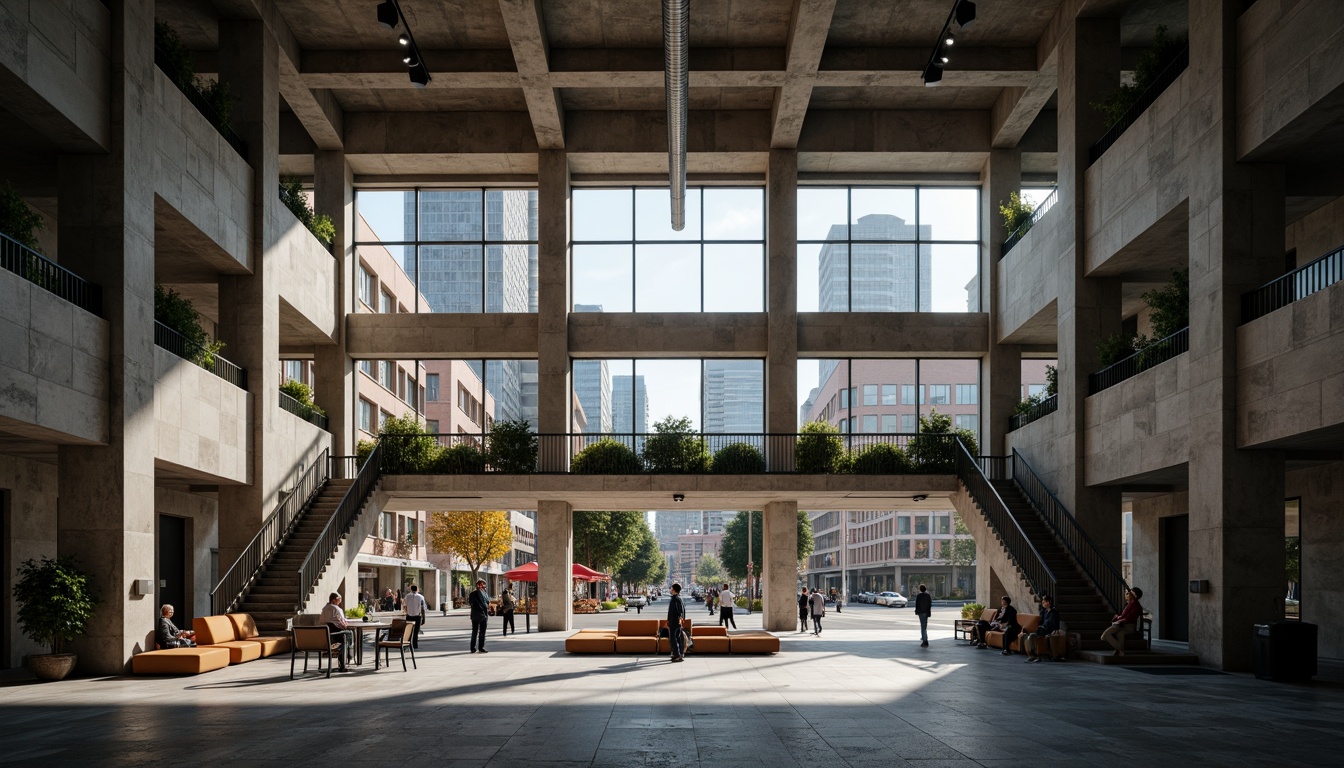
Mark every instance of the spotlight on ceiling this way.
pixel 919 497
pixel 949 39
pixel 403 39
pixel 409 59
pixel 965 13
pixel 387 14
pixel 678 497
pixel 419 75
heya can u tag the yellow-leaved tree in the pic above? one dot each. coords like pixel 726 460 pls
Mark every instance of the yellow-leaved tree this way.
pixel 477 537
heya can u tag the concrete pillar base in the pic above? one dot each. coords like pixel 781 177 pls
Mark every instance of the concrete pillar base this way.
pixel 555 557
pixel 779 540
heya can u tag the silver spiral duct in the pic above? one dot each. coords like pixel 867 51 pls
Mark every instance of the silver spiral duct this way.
pixel 676 60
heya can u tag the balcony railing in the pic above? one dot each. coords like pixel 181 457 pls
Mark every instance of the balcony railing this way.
pixel 1163 80
pixel 1025 227
pixel 1159 351
pixel 176 343
pixel 978 474
pixel 698 453
pixel 306 412
pixel 50 276
pixel 1294 286
pixel 202 104
pixel 1043 408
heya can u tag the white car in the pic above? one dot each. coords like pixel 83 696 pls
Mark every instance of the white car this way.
pixel 891 599
pixel 867 597
pixel 636 601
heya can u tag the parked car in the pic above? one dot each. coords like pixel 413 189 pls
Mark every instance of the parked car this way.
pixel 636 601
pixel 865 597
pixel 891 599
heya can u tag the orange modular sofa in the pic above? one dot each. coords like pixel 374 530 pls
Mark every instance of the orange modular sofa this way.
pixel 220 641
pixel 1059 644
pixel 641 636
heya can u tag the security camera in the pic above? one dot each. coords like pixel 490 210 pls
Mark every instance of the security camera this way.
pixel 919 497
pixel 678 497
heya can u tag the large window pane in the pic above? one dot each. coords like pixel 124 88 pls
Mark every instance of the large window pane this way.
pixel 949 214
pixel 603 214
pixel 653 215
pixel 734 278
pixel 384 216
pixel 885 277
pixel 823 213
pixel 510 272
pixel 954 283
pixel 734 396
pixel 667 278
pixel 604 277
pixel 734 214
pixel 882 214
pixel 939 378
pixel 451 278
pixel 821 386
pixel 451 214
pixel 511 215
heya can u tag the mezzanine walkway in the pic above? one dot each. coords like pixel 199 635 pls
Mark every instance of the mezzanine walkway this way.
pixel 864 694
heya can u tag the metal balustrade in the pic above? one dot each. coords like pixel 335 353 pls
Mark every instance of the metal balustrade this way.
pixel 50 276
pixel 1157 352
pixel 1294 286
pixel 341 520
pixel 1163 81
pixel 174 342
pixel 1044 408
pixel 306 412
pixel 1025 227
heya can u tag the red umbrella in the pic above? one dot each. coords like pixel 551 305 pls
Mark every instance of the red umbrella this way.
pixel 528 572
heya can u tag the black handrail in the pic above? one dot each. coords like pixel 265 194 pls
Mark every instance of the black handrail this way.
pixel 306 412
pixel 234 584
pixel 176 343
pixel 198 100
pixel 339 524
pixel 1160 83
pixel 50 276
pixel 1105 577
pixel 1294 286
pixel 344 467
pixel 1025 227
pixel 1043 408
pixel 1157 352
pixel 970 470
pixel 696 453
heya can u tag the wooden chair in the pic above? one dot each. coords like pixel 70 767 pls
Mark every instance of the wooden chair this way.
pixel 399 637
pixel 313 640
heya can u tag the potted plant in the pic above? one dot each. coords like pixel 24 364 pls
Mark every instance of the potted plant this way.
pixel 55 605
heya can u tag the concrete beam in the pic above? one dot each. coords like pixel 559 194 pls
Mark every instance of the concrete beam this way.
pixel 892 334
pixel 441 336
pixel 527 37
pixel 652 335
pixel 808 25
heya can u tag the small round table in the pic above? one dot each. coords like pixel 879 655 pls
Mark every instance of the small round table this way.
pixel 359 628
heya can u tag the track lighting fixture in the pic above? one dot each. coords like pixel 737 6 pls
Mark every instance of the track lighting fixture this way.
pixel 678 497
pixel 963 13
pixel 409 59
pixel 403 39
pixel 387 14
pixel 949 38
pixel 390 15
pixel 419 75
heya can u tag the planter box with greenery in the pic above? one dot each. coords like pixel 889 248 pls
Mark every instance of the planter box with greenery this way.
pixel 819 449
pixel 55 605
pixel 1169 312
pixel 880 459
pixel 675 449
pixel 212 98
pixel 931 450
pixel 302 406
pixel 320 224
pixel 738 459
pixel 406 448
pixel 460 459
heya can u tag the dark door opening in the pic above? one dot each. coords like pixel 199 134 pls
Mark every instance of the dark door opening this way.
pixel 1174 611
pixel 7 581
pixel 172 568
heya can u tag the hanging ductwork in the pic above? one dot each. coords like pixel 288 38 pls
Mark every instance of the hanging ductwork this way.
pixel 676 55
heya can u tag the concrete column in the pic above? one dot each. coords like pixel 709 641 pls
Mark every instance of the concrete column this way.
pixel 781 357
pixel 249 305
pixel 555 564
pixel 553 364
pixel 105 511
pixel 333 194
pixel 1236 243
pixel 1001 368
pixel 1089 308
pixel 779 568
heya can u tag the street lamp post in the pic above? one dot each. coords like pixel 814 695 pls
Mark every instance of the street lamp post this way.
pixel 750 560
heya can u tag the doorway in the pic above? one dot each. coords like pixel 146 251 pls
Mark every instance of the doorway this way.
pixel 1174 610
pixel 172 568
pixel 6 583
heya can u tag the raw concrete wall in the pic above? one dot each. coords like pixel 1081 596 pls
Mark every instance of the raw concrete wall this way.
pixel 1140 425
pixel 1318 233
pixel 1146 565
pixel 1322 515
pixel 864 334
pixel 54 60
pixel 28 499
pixel 298 444
pixel 1027 281
pixel 202 514
pixel 200 420
pixel 1036 442
pixel 53 366
pixel 1290 370
pixel 307 277
pixel 996 574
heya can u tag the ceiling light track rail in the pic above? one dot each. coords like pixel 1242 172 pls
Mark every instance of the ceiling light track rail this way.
pixel 962 13
pixel 390 15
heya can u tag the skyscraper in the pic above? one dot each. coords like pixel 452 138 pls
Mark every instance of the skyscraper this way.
pixel 629 405
pixel 734 396
pixel 592 386
pixel 886 276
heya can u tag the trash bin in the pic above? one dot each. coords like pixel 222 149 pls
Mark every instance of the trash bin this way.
pixel 1284 650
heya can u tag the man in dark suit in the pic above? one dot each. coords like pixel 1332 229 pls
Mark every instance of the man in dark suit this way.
pixel 923 608
pixel 676 611
pixel 480 616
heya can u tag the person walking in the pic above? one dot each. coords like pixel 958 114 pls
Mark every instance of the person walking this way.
pixel 802 610
pixel 726 602
pixel 676 611
pixel 923 609
pixel 506 606
pixel 416 609
pixel 480 615
pixel 817 604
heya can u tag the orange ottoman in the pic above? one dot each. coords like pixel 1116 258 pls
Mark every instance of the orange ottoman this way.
pixel 591 641
pixel 710 639
pixel 637 636
pixel 217 632
pixel 244 628
pixel 753 641
pixel 179 661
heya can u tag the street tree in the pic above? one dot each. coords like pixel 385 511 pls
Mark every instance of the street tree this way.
pixel 647 566
pixel 960 551
pixel 476 537
pixel 603 541
pixel 709 570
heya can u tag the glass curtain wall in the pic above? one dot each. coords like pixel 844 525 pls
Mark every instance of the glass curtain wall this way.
pixel 888 249
pixel 869 397
pixel 627 397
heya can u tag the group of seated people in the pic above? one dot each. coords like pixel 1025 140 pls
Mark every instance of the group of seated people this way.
pixel 1035 643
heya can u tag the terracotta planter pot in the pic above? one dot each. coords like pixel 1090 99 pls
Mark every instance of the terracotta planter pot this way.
pixel 51 666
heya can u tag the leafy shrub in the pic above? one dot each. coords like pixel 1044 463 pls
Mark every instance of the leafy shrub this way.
pixel 605 457
pixel 55 601
pixel 512 447
pixel 819 449
pixel 406 448
pixel 675 449
pixel 1016 212
pixel 18 220
pixel 303 394
pixel 756 605
pixel 738 459
pixel 1051 381
pixel 363 449
pixel 931 450
pixel 460 459
pixel 177 312
pixel 1151 63
pixel 971 610
pixel 320 224
pixel 182 71
pixel 1118 346
pixel 880 459
pixel 610 605
pixel 1170 305
pixel 1026 405
pixel 355 613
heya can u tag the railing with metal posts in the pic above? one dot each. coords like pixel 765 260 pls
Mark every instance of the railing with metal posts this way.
pixel 652 453
pixel 1160 83
pixel 1294 286
pixel 1157 352
pixel 1104 575
pixel 176 343
pixel 198 100
pixel 344 467
pixel 306 412
pixel 341 520
pixel 1025 227
pixel 50 276
pixel 976 473
pixel 1045 407
pixel 233 585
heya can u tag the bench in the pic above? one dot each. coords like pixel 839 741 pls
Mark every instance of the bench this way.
pixel 238 634
pixel 641 636
pixel 180 661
